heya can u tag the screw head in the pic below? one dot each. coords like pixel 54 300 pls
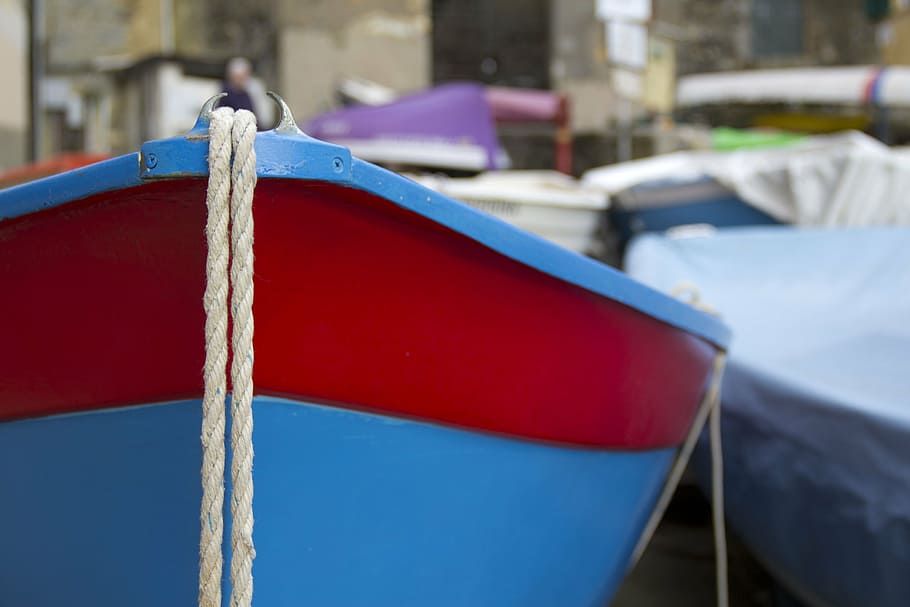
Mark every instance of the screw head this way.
pixel 337 164
pixel 151 161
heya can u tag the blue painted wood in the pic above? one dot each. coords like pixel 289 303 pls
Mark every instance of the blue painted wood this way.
pixel 297 156
pixel 102 509
pixel 112 174
pixel 278 155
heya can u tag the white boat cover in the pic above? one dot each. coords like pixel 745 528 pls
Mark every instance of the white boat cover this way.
pixel 547 203
pixel 816 400
pixel 827 85
pixel 677 167
pixel 848 179
pixel 546 188
pixel 855 85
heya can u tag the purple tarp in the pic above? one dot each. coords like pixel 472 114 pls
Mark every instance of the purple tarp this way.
pixel 448 126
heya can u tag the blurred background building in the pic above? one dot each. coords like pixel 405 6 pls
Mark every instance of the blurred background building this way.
pixel 104 75
pixel 14 76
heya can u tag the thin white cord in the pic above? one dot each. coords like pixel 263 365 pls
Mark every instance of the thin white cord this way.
pixel 710 406
pixel 717 507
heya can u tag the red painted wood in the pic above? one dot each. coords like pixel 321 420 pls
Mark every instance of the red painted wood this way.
pixel 358 303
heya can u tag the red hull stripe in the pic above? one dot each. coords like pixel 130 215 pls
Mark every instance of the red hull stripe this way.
pixel 358 303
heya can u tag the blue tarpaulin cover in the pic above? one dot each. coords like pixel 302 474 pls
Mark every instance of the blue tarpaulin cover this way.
pixel 816 400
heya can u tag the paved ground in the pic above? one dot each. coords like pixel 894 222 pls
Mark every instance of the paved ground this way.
pixel 677 569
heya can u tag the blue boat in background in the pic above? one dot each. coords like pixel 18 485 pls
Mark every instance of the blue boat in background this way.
pixel 657 206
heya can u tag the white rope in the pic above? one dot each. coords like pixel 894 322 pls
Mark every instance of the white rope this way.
pixel 692 293
pixel 228 131
pixel 710 406
pixel 717 504
pixel 243 182
pixel 215 302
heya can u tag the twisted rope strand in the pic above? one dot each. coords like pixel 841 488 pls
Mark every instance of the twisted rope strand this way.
pixel 215 302
pixel 229 237
pixel 717 494
pixel 244 182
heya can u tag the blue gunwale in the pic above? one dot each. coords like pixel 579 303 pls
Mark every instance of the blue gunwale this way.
pixel 289 155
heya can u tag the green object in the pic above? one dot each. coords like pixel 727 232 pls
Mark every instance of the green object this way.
pixel 725 138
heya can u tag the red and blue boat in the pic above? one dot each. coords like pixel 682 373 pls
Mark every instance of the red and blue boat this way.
pixel 448 410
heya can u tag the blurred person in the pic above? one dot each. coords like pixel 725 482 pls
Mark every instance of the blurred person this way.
pixel 237 80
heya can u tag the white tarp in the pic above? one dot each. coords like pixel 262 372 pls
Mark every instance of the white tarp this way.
pixel 675 166
pixel 626 10
pixel 841 85
pixel 541 188
pixel 825 85
pixel 849 180
pixel 549 204
pixel 845 179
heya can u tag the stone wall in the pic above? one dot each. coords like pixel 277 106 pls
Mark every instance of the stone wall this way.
pixel 498 42
pixel 715 35
pixel 84 35
pixel 79 32
pixel 320 42
pixel 14 76
pixel 710 35
pixel 578 65
pixel 838 33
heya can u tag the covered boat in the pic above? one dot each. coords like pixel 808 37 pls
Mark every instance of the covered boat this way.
pixel 448 410
pixel 852 85
pixel 657 206
pixel 816 427
pixel 848 179
pixel 450 126
pixel 673 190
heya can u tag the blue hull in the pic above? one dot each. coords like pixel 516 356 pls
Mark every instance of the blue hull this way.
pixel 352 509
pixel 728 212
pixel 658 206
